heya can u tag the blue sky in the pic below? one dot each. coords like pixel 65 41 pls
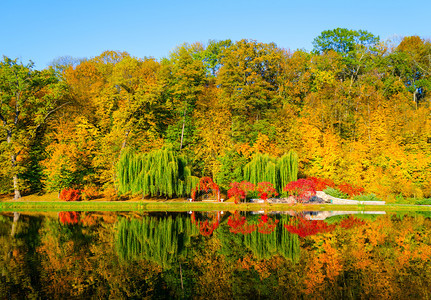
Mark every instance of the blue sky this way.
pixel 44 30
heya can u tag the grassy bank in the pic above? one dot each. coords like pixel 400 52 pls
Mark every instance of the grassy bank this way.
pixel 50 202
pixel 188 206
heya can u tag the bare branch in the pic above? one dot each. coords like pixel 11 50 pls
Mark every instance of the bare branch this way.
pixel 55 109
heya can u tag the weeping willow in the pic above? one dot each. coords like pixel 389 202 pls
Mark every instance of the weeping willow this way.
pixel 280 242
pixel 278 171
pixel 161 240
pixel 262 168
pixel 157 173
pixel 288 167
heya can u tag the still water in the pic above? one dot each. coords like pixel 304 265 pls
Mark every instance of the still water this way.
pixel 215 255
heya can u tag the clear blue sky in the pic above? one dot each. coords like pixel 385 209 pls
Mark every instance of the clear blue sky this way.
pixel 43 30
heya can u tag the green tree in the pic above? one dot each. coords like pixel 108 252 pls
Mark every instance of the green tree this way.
pixel 247 79
pixel 185 76
pixel 27 99
pixel 343 40
pixel 412 60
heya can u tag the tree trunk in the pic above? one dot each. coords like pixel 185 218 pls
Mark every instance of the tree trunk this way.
pixel 184 123
pixel 14 172
pixel 17 192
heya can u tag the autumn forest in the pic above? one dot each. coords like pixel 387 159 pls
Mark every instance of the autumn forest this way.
pixel 355 110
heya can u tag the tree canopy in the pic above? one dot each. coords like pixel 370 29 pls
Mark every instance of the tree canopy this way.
pixel 354 110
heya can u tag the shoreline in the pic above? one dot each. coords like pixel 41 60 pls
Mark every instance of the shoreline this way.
pixel 183 206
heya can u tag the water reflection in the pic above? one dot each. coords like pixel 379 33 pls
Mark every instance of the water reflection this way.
pixel 215 255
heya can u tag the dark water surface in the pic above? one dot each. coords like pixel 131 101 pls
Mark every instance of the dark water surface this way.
pixel 237 255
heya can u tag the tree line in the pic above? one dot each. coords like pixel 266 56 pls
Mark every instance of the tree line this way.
pixel 355 109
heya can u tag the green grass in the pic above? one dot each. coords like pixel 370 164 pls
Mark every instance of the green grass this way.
pixel 188 206
pixel 51 203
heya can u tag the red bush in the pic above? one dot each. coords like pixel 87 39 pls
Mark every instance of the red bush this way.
pixel 266 190
pixel 349 189
pixel 302 189
pixel 70 195
pixel 321 183
pixel 205 184
pixel 239 190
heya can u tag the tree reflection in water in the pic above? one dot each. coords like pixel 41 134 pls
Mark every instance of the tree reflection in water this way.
pixel 106 255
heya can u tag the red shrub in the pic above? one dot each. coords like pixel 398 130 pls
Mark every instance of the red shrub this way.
pixel 240 190
pixel 349 189
pixel 321 183
pixel 266 190
pixel 205 184
pixel 70 195
pixel 302 189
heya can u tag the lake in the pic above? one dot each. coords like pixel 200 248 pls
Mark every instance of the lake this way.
pixel 215 255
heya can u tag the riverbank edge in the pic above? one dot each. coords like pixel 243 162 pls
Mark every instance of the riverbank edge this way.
pixel 21 206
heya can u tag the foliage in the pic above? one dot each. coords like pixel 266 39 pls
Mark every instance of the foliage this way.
pixel 343 40
pixel 240 190
pixel 349 189
pixel 266 190
pixel 367 197
pixel 157 173
pixel 239 224
pixel 301 189
pixel 334 192
pixel 69 217
pixel 304 228
pixel 262 168
pixel 288 167
pixel 277 171
pixel 90 193
pixel 160 240
pixel 206 185
pixel 423 202
pixel 321 183
pixel 28 98
pixel 70 195
pixel 231 168
pixel 353 110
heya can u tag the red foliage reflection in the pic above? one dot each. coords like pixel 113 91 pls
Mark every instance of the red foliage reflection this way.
pixel 207 227
pixel 350 222
pixel 238 224
pixel 266 225
pixel 305 227
pixel 69 217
